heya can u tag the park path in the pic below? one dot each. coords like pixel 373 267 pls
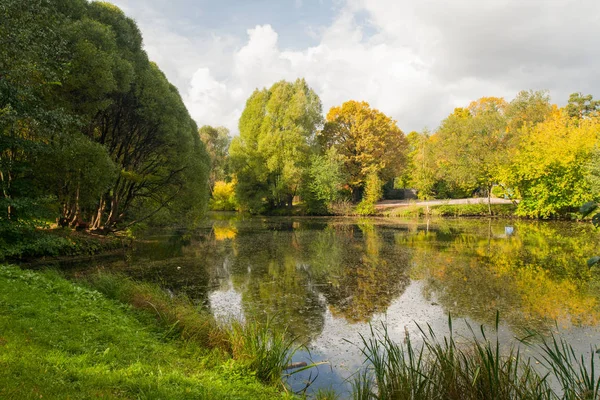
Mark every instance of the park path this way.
pixel 404 203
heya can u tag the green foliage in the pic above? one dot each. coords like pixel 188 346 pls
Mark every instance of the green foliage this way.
pixel 78 171
pixel 223 197
pixel 323 183
pixel 480 369
pixel 499 191
pixel 72 70
pixel 474 143
pixel 550 168
pixel 422 171
pixel 22 243
pixel 216 141
pixel 585 210
pixel 373 193
pixel 272 152
pixel 581 106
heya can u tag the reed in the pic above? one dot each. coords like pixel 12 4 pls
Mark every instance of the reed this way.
pixel 263 348
pixel 478 369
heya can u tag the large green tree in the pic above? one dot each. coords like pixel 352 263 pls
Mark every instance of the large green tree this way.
pixel 277 130
pixel 474 143
pixel 73 73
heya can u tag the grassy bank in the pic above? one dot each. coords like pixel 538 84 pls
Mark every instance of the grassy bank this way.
pixel 451 210
pixel 27 244
pixel 61 340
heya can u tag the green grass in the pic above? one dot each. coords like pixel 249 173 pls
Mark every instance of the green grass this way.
pixel 406 212
pixel 479 369
pixel 451 210
pixel 177 316
pixel 257 347
pixel 472 210
pixel 59 340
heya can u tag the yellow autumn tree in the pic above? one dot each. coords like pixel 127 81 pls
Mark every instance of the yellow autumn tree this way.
pixel 367 140
pixel 548 171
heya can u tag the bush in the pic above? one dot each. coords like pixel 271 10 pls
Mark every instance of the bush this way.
pixel 373 192
pixel 38 243
pixel 342 207
pixel 223 197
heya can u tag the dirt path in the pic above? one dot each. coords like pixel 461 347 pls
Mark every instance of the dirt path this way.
pixel 405 203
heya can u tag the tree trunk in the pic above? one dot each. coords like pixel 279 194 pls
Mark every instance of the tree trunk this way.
pixel 97 219
pixel 357 193
pixel 490 200
pixel 5 184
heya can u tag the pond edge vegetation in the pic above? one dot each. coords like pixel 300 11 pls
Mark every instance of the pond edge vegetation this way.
pixel 477 368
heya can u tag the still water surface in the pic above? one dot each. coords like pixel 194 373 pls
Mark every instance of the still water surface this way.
pixel 327 280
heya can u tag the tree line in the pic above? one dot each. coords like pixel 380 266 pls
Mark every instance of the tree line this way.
pixel 286 151
pixel 531 151
pixel 94 135
pixel 528 150
pixel 92 132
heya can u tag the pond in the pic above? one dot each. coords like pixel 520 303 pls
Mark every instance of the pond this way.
pixel 328 280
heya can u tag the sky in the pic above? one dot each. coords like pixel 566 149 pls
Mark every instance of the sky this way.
pixel 414 60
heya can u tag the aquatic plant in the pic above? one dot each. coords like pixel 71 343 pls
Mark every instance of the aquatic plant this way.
pixel 479 369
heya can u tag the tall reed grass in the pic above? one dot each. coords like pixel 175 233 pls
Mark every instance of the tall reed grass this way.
pixel 480 369
pixel 266 350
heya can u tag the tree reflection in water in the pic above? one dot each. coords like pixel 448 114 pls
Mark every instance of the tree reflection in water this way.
pixel 295 269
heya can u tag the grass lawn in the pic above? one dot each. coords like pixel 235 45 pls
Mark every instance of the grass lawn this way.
pixel 59 340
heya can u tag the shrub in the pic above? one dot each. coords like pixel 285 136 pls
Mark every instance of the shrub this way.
pixel 223 197
pixel 342 207
pixel 373 192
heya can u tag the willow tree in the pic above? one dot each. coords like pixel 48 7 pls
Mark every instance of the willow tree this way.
pixel 277 130
pixel 367 141
pixel 73 73
pixel 33 52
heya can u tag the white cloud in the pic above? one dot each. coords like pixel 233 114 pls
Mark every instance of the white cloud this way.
pixel 415 61
pixel 343 66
